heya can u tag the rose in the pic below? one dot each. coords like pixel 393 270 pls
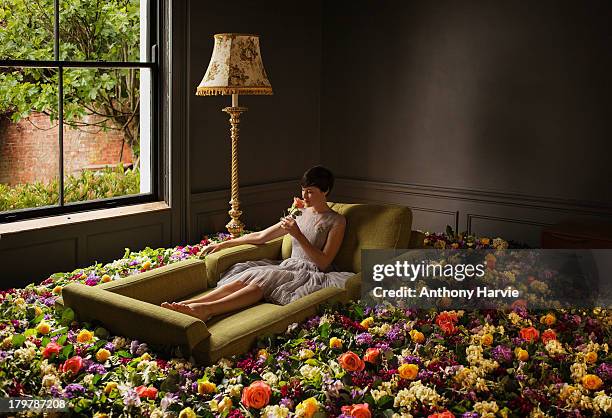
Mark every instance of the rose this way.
pixel 445 414
pixel 335 342
pixel 51 348
pixel 106 278
pixel 529 334
pixel 548 319
pixel 521 354
pixel 368 322
pixel 72 365
pixel 187 413
pixel 110 386
pixel 360 410
pixel 371 355
pixel 591 382
pixel 590 357
pixel 548 335
pixel 351 362
pixel 298 203
pixel 486 339
pixel 102 355
pixel 43 328
pixel 417 336
pixel 84 336
pixel 408 371
pixel 307 408
pixel 256 395
pixel 146 392
pixel 446 321
pixel 206 387
pixel 294 211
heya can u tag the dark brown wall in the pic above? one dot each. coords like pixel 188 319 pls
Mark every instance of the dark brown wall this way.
pixel 279 135
pixel 503 96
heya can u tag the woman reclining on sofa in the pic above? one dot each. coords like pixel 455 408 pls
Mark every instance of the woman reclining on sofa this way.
pixel 316 238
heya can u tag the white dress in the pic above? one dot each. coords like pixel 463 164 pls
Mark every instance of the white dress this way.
pixel 284 281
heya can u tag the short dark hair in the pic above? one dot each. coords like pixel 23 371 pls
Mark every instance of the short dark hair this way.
pixel 320 177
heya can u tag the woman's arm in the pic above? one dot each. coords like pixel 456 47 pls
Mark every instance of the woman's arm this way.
pixel 259 237
pixel 322 258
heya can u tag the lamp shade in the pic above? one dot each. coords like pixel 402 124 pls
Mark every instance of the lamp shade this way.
pixel 235 67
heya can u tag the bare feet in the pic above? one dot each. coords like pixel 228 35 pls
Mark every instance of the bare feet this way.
pixel 166 305
pixel 197 310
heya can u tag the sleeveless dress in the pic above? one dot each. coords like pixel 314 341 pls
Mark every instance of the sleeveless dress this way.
pixel 284 281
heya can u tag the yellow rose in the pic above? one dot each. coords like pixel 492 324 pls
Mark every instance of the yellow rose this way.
pixel 417 336
pixel 307 408
pixel 145 356
pixel 206 387
pixel 486 339
pixel 335 342
pixel 367 323
pixel 57 290
pixel 408 371
pixel 106 278
pixel 19 302
pixel 263 353
pixel 548 319
pixel 37 311
pixel 225 405
pixel 43 327
pixel 590 357
pixel 521 354
pixel 187 413
pixel 84 336
pixel 591 382
pixel 146 265
pixel 110 386
pixel 102 355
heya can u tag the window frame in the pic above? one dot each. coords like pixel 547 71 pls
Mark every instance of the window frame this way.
pixel 153 65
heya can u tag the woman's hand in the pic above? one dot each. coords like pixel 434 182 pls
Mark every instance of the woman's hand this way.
pixel 211 248
pixel 290 226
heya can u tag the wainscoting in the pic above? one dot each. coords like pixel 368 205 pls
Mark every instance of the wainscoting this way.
pixel 511 216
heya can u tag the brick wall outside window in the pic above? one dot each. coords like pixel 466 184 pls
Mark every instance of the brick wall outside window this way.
pixel 29 149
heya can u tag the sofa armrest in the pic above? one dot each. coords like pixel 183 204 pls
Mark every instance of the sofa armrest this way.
pixel 168 283
pixel 417 239
pixel 125 316
pixel 218 262
pixel 353 287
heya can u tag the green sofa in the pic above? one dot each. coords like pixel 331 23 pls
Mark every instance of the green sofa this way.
pixel 130 306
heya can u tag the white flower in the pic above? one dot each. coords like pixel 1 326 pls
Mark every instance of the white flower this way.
pixel 275 411
pixel 310 372
pixel 578 371
pixel 234 390
pixel 270 378
pixel 602 402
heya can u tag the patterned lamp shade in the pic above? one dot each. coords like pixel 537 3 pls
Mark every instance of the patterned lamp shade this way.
pixel 235 67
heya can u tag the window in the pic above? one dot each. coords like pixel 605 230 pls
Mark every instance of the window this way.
pixel 78 105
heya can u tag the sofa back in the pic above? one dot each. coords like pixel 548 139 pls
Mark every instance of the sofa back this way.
pixel 368 226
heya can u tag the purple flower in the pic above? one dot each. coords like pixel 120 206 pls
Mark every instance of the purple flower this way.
pixel 469 415
pixel 96 368
pixel 137 348
pixel 73 390
pixel 364 338
pixel 396 334
pixel 110 347
pixel 287 403
pixel 501 353
pixel 131 398
pixel 413 360
pixel 168 400
pixel 605 371
pixel 92 282
pixel 133 263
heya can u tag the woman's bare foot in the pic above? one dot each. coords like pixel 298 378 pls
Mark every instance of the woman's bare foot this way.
pixel 197 310
pixel 167 305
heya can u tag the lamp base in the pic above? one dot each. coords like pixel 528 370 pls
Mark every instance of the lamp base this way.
pixel 235 226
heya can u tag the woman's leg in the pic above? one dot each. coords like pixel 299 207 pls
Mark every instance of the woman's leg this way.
pixel 215 294
pixel 247 296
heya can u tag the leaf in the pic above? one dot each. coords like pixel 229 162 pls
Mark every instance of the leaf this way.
pixel 67 351
pixel 324 330
pixel 18 340
pixel 67 316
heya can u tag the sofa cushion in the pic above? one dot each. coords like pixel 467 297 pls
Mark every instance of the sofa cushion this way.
pixel 368 226
pixel 237 332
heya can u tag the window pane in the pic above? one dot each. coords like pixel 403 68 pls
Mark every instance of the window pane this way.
pixel 102 134
pixel 29 150
pixel 26 29
pixel 94 30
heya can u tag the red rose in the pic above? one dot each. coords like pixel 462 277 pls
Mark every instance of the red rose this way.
pixel 445 414
pixel 529 334
pixel 548 335
pixel 446 321
pixel 371 355
pixel 51 348
pixel 351 362
pixel 72 365
pixel 298 203
pixel 146 392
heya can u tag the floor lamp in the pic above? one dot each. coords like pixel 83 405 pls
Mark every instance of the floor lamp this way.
pixel 235 68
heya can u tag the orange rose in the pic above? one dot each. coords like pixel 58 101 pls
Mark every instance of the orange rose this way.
pixel 351 362
pixel 51 348
pixel 446 321
pixel 359 410
pixel 445 414
pixel 146 392
pixel 371 355
pixel 521 354
pixel 486 339
pixel 591 382
pixel 72 365
pixel 529 334
pixel 408 371
pixel 102 355
pixel 590 357
pixel 548 335
pixel 298 203
pixel 206 387
pixel 417 336
pixel 548 319
pixel 84 336
pixel 256 395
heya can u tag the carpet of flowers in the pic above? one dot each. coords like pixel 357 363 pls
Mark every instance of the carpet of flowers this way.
pixel 349 361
